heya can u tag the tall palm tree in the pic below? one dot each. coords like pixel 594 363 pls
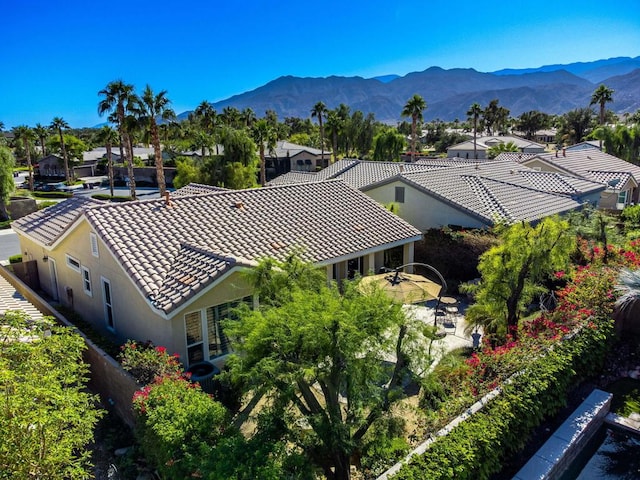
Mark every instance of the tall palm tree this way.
pixel 414 108
pixel 318 110
pixel 26 135
pixel 335 125
pixel 474 112
pixel 601 96
pixel 58 124
pixel 264 136
pixel 248 117
pixel 42 132
pixel 119 97
pixel 206 115
pixel 108 136
pixel 149 108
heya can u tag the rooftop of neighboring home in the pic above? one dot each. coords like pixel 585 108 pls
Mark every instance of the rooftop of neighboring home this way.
pixel 101 152
pixel 357 173
pixel 487 142
pixel 287 149
pixel 590 163
pixel 196 189
pixel 500 190
pixel 173 249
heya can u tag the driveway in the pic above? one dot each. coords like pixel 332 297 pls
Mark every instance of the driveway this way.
pixel 9 245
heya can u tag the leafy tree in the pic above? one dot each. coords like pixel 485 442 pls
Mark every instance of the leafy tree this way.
pixel 575 125
pixel 27 136
pixel 149 108
pixel 414 108
pixel 74 148
pixel 532 121
pixel 7 185
pixel 621 141
pixel 46 415
pixel 107 136
pixel 512 271
pixel 323 353
pixel 388 145
pixel 231 117
pixel 301 139
pixel 474 113
pixel 58 124
pixel 119 97
pixel 264 136
pixel 186 172
pixel 319 110
pixel 601 96
pixel 495 117
pixel 496 150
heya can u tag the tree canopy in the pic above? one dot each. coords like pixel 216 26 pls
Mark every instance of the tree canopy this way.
pixel 7 185
pixel 325 354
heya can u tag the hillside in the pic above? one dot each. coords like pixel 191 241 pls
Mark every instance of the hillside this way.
pixel 553 89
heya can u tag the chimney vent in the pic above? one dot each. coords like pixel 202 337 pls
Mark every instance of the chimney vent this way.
pixel 239 205
pixel 564 152
pixel 167 199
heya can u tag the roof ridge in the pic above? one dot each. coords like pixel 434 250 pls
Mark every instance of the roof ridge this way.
pixel 486 196
pixel 556 175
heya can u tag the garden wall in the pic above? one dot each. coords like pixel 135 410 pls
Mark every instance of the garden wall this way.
pixel 115 386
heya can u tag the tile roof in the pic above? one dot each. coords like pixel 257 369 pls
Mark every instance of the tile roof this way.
pixel 515 156
pixel 487 141
pixel 47 225
pixel 288 149
pixel 357 173
pixel 196 189
pixel 172 252
pixel 501 190
pixel 592 164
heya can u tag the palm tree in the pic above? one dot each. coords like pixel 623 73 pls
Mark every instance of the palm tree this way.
pixel 335 125
pixel 58 124
pixel 263 135
pixel 414 108
pixel 119 97
pixel 248 117
pixel 318 110
pixel 108 136
pixel 150 107
pixel 206 115
pixel 24 133
pixel 601 96
pixel 42 132
pixel 629 286
pixel 474 112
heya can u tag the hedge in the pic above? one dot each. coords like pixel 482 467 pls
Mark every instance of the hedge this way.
pixel 475 449
pixel 52 194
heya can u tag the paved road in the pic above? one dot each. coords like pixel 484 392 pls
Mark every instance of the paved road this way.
pixel 9 244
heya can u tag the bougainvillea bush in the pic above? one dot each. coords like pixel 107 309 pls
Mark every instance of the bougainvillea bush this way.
pixel 145 361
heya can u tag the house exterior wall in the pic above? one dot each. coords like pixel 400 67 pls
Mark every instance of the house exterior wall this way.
pixel 480 152
pixel 421 210
pixel 307 162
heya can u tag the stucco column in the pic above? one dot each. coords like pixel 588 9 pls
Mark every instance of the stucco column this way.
pixel 407 255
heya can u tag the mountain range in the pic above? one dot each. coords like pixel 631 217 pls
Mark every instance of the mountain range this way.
pixel 553 89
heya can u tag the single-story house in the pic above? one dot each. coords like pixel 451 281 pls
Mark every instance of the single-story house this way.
pixel 169 270
pixel 481 195
pixel 483 144
pixel 619 177
pixel 287 157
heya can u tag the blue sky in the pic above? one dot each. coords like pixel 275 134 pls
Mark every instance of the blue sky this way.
pixel 57 54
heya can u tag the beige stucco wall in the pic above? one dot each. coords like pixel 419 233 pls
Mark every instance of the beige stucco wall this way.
pixel 421 210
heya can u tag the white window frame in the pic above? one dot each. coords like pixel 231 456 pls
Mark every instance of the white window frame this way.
pixel 86 281
pixel 109 317
pixel 93 242
pixel 73 263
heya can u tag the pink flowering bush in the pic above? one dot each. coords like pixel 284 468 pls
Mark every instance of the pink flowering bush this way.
pixel 145 362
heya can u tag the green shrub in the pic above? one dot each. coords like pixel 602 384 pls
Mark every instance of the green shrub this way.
pixel 52 194
pixel 107 197
pixel 177 422
pixel 631 214
pixel 45 204
pixel 15 258
pixel 145 362
pixel 5 224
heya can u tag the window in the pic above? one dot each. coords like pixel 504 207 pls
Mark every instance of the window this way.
pixel 399 194
pixel 209 341
pixel 86 281
pixel 93 240
pixel 73 264
pixel 622 197
pixel 193 331
pixel 107 303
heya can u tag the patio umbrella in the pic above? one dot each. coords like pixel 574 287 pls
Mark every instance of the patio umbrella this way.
pixel 402 287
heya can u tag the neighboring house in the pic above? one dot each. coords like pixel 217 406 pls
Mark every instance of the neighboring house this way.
pixel 357 173
pixel 618 176
pixel 51 166
pixel 483 144
pixel 481 195
pixel 170 270
pixel 287 157
pixel 584 145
